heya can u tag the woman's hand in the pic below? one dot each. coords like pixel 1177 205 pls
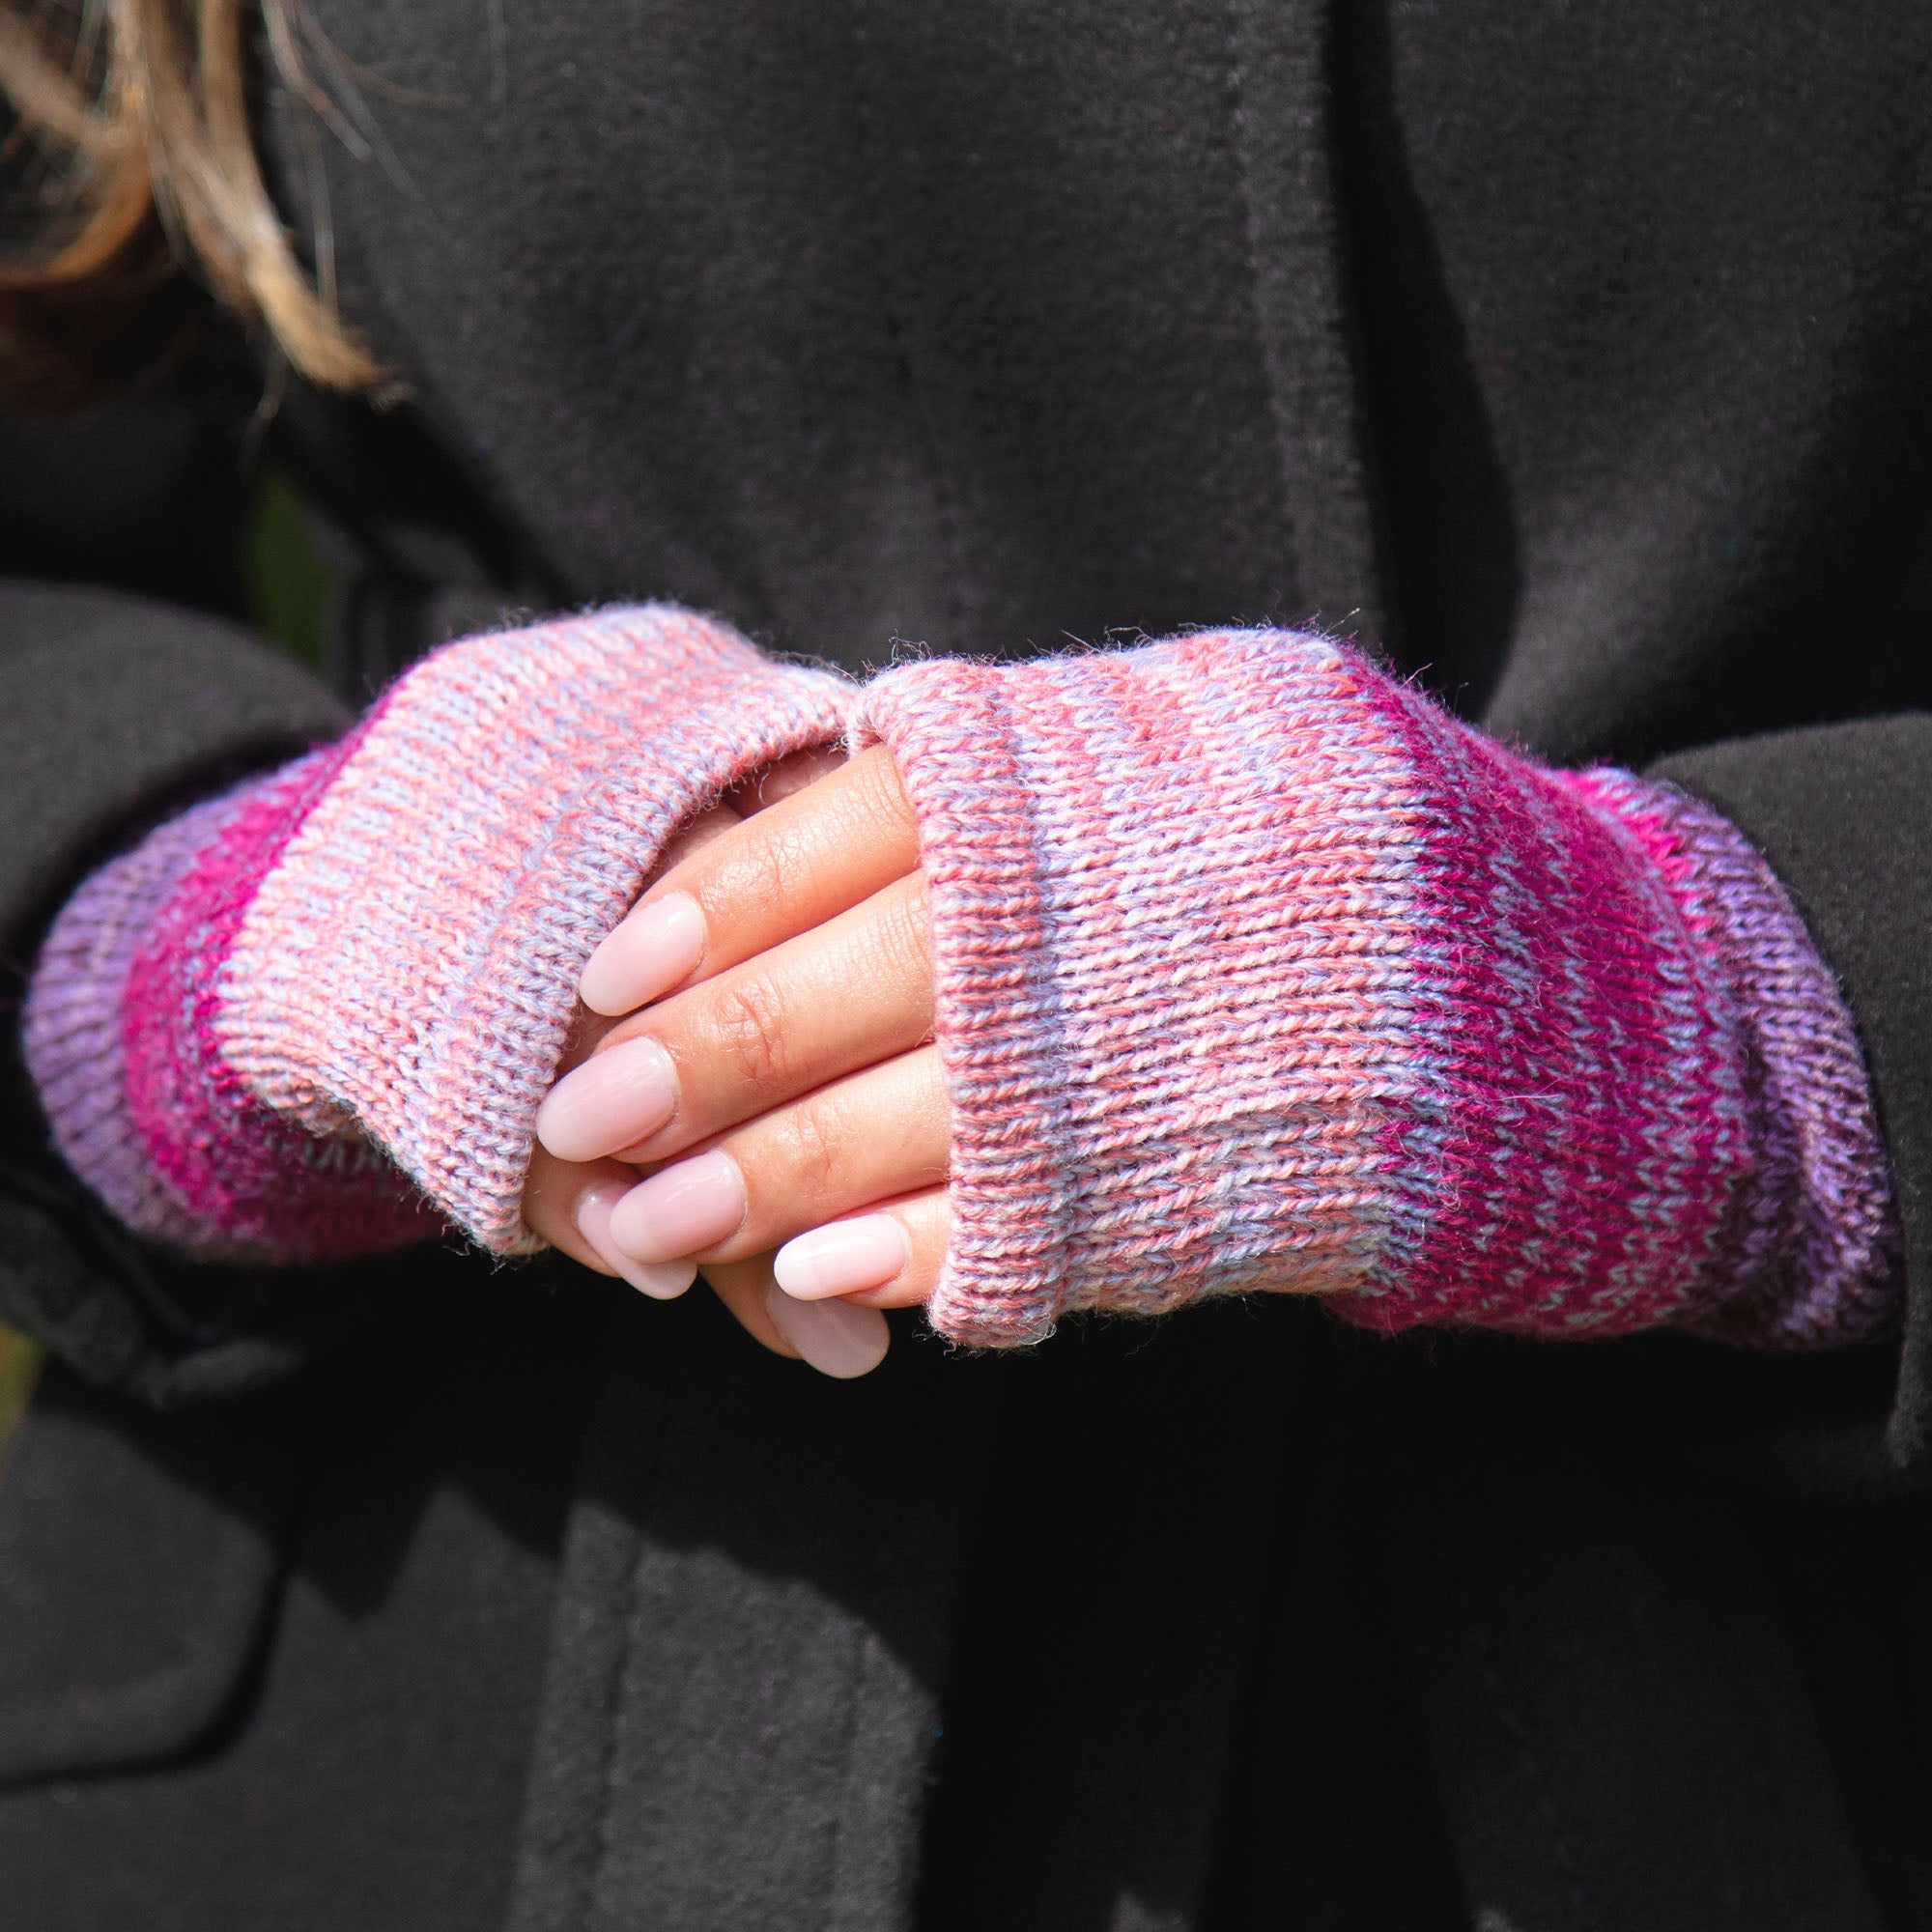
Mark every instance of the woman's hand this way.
pixel 780 1079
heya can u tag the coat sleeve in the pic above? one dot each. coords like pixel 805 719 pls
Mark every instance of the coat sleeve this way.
pixel 1844 813
pixel 115 710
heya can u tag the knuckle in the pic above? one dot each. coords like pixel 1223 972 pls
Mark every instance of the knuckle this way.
pixel 881 792
pixel 895 955
pixel 906 930
pixel 773 871
pixel 759 873
pixel 810 1150
pixel 750 1023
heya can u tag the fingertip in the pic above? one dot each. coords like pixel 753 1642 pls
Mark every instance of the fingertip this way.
pixel 848 1257
pixel 662 1281
pixel 651 949
pixel 619 1096
pixel 837 1338
pixel 889 1258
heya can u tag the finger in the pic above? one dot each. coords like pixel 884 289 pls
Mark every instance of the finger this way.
pixel 743 1287
pixel 589 1027
pixel 834 1339
pixel 569 1205
pixel 694 835
pixel 779 781
pixel 690 838
pixel 837 1338
pixel 869 1137
pixel 851 992
pixel 781 871
pixel 888 1257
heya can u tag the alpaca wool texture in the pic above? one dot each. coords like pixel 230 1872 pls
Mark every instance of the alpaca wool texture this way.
pixel 1255 970
pixel 1580 350
pixel 120 1037
pixel 377 948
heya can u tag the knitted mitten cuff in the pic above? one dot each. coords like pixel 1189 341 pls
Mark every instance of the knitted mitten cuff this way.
pixel 379 947
pixel 1255 970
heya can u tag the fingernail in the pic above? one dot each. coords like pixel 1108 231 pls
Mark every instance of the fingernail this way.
pixel 836 1338
pixel 842 1258
pixel 662 1281
pixel 614 1099
pixel 681 1209
pixel 645 956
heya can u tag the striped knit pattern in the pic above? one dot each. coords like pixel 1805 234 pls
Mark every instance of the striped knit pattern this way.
pixel 379 947
pixel 117 1038
pixel 1258 971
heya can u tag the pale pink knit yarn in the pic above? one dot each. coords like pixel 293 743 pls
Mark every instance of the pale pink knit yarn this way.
pixel 377 948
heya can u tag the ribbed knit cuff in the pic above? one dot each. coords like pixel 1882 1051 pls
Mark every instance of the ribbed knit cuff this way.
pixel 409 964
pixel 1255 970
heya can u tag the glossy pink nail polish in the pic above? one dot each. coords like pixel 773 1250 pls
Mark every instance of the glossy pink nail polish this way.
pixel 836 1338
pixel 842 1258
pixel 614 1099
pixel 681 1209
pixel 645 956
pixel 662 1281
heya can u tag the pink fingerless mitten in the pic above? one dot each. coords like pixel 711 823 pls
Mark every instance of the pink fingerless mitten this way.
pixel 292 1013
pixel 1258 971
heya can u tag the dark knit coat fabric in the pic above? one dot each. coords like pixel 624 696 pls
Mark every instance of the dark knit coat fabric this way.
pixel 1573 357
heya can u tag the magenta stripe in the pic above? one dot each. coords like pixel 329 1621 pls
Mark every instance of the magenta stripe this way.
pixel 247 1175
